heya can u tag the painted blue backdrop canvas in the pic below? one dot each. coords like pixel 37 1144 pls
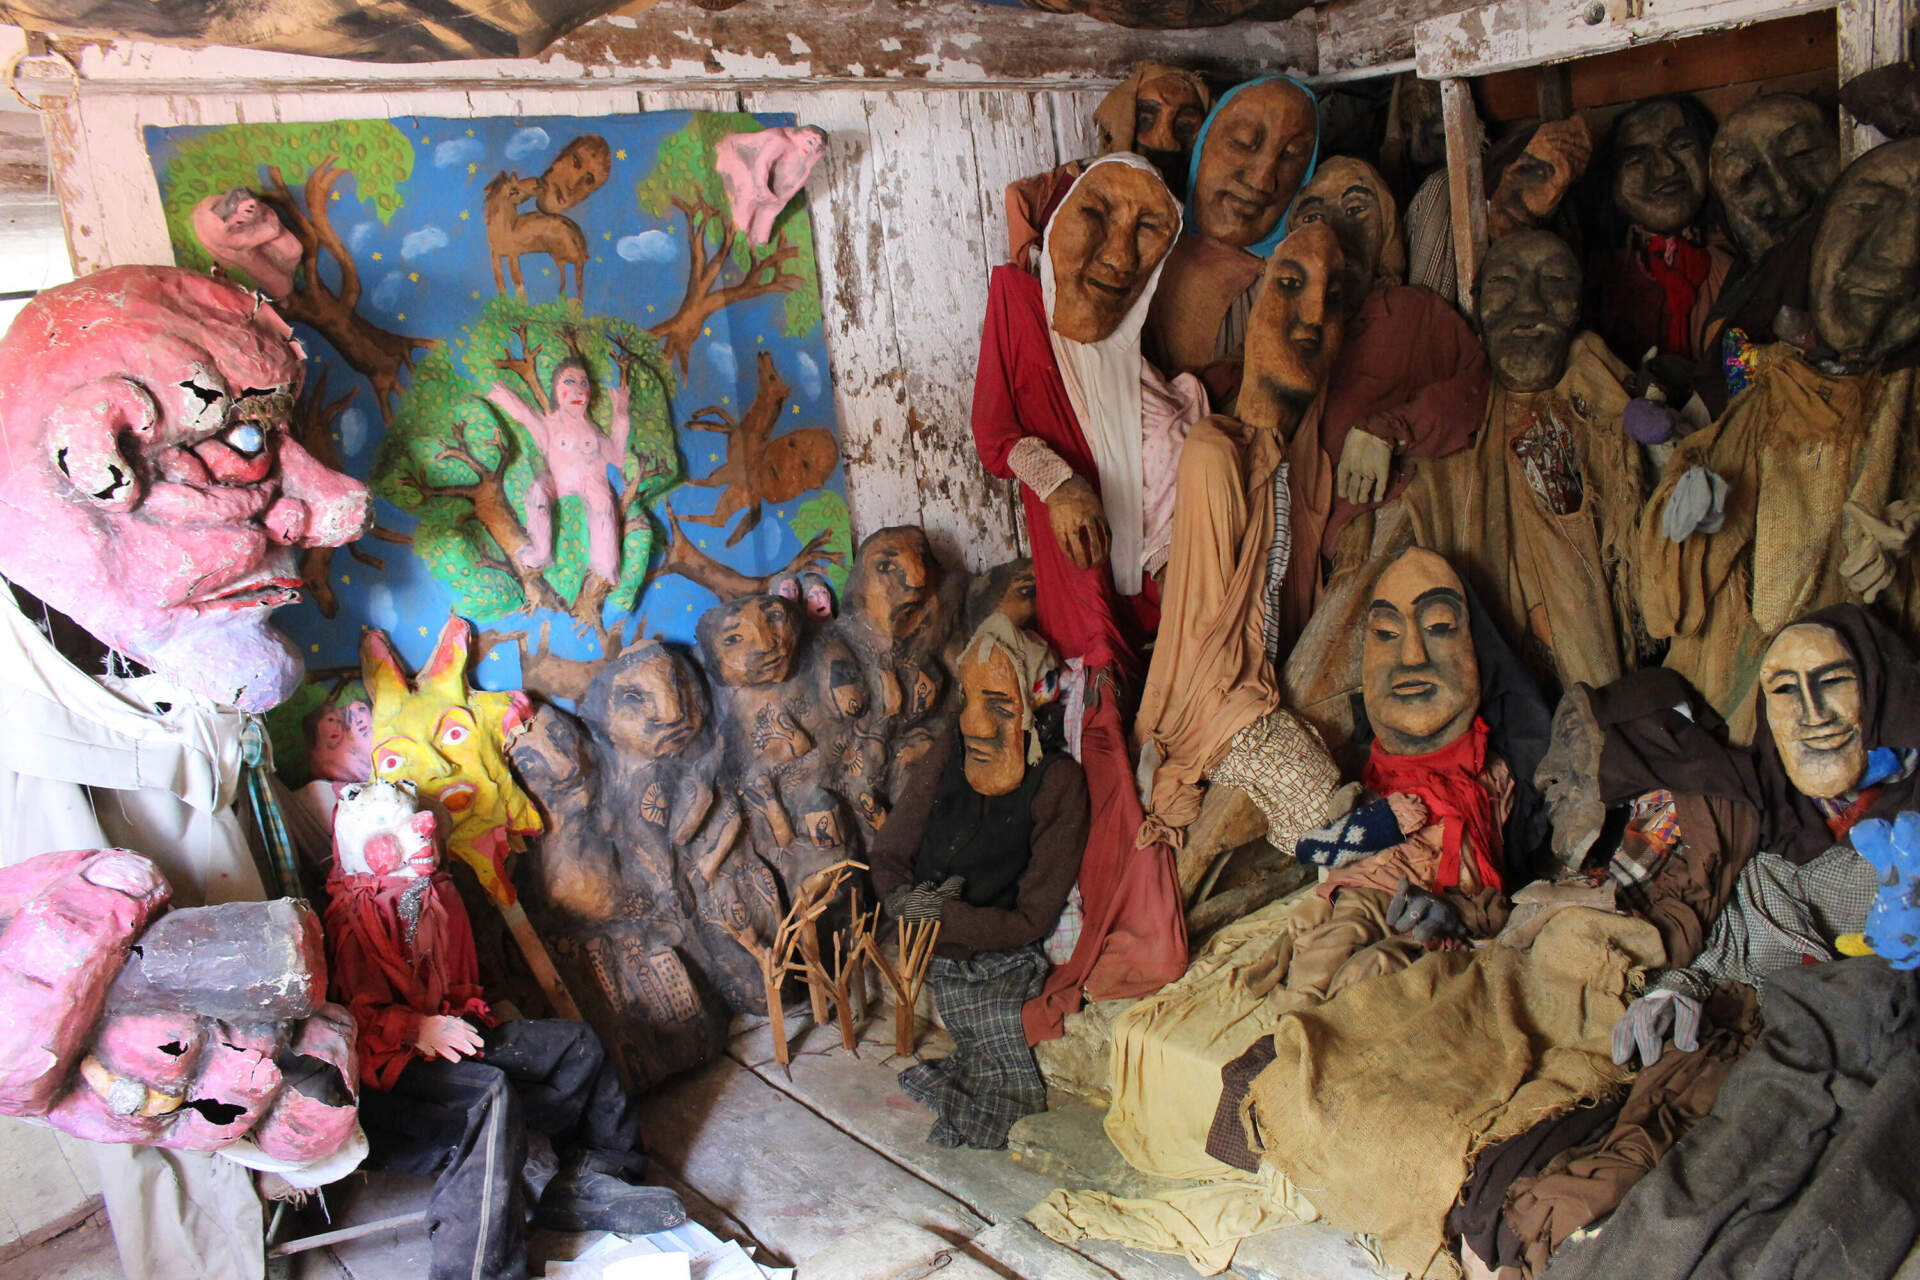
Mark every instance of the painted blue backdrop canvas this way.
pixel 719 342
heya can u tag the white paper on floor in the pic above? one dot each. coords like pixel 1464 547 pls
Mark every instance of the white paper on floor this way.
pixel 688 1252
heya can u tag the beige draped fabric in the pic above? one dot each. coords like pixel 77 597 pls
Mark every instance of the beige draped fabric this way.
pixel 1563 581
pixel 1795 448
pixel 1484 1044
pixel 1210 676
pixel 1168 1050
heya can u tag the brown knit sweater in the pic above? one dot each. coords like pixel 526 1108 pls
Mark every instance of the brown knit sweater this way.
pixel 1060 817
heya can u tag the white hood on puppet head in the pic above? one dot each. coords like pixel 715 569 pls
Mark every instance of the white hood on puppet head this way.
pixel 1103 385
pixel 378 830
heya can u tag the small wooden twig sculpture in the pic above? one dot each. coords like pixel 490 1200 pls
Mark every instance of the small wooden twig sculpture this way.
pixel 776 958
pixel 849 956
pixel 906 974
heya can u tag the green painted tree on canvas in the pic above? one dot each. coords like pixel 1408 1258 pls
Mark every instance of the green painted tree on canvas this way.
pixel 462 468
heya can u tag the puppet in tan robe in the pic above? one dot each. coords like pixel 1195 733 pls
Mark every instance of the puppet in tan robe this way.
pixel 1806 492
pixel 1211 707
pixel 1539 515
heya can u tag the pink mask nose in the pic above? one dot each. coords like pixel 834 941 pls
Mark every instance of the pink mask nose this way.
pixel 334 507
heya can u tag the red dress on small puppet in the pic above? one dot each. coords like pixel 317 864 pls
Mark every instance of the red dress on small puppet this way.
pixel 390 981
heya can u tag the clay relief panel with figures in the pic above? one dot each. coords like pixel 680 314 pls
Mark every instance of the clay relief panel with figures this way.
pixel 590 395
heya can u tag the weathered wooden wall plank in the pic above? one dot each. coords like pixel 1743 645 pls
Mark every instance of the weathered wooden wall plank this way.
pixel 818 43
pixel 1369 33
pixel 856 300
pixel 1873 33
pixel 1507 34
pixel 935 248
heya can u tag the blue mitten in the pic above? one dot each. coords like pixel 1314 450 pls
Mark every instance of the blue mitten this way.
pixel 1893 924
pixel 1360 834
pixel 1698 504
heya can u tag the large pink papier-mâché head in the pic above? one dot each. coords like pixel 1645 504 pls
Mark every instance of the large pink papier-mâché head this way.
pixel 149 486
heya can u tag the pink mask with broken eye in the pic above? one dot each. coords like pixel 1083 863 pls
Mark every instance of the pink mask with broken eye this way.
pixel 149 484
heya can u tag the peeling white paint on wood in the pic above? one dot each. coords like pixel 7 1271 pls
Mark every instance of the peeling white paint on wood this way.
pixel 1872 33
pixel 935 248
pixel 1511 34
pixel 819 42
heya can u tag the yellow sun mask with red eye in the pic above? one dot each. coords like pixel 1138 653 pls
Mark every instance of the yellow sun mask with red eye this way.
pixel 450 741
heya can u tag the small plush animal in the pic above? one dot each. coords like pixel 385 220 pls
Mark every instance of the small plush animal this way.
pixel 1893 924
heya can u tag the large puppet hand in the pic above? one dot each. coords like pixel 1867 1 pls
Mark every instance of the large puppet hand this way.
pixel 1893 924
pixel 444 1036
pixel 1874 547
pixel 176 1030
pixel 1424 915
pixel 1648 1022
pixel 1079 522
pixel 67 923
pixel 1698 504
pixel 1366 461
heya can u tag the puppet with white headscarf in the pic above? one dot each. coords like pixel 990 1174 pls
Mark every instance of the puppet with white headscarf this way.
pixel 1090 429
pixel 1065 403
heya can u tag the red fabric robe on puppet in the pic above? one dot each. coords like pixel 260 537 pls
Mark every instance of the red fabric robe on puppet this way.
pixel 390 980
pixel 1412 369
pixel 1134 938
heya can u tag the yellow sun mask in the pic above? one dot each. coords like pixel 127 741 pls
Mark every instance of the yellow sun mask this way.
pixel 451 743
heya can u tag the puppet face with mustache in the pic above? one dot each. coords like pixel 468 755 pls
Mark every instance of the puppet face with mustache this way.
pixel 1419 678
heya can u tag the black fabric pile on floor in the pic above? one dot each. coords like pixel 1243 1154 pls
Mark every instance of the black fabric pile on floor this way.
pixel 1808 1165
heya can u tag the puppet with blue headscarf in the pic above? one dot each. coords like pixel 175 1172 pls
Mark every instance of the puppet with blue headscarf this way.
pixel 1256 149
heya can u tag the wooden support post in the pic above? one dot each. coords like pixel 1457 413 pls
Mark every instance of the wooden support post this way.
pixel 1872 33
pixel 1555 88
pixel 1466 183
pixel 559 999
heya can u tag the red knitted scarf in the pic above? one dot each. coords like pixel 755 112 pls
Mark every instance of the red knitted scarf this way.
pixel 1679 267
pixel 1448 780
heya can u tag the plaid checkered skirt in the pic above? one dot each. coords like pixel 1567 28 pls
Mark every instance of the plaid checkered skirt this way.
pixel 990 1079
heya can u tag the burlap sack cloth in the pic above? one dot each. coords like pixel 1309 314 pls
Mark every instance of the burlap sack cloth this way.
pixel 1378 1101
